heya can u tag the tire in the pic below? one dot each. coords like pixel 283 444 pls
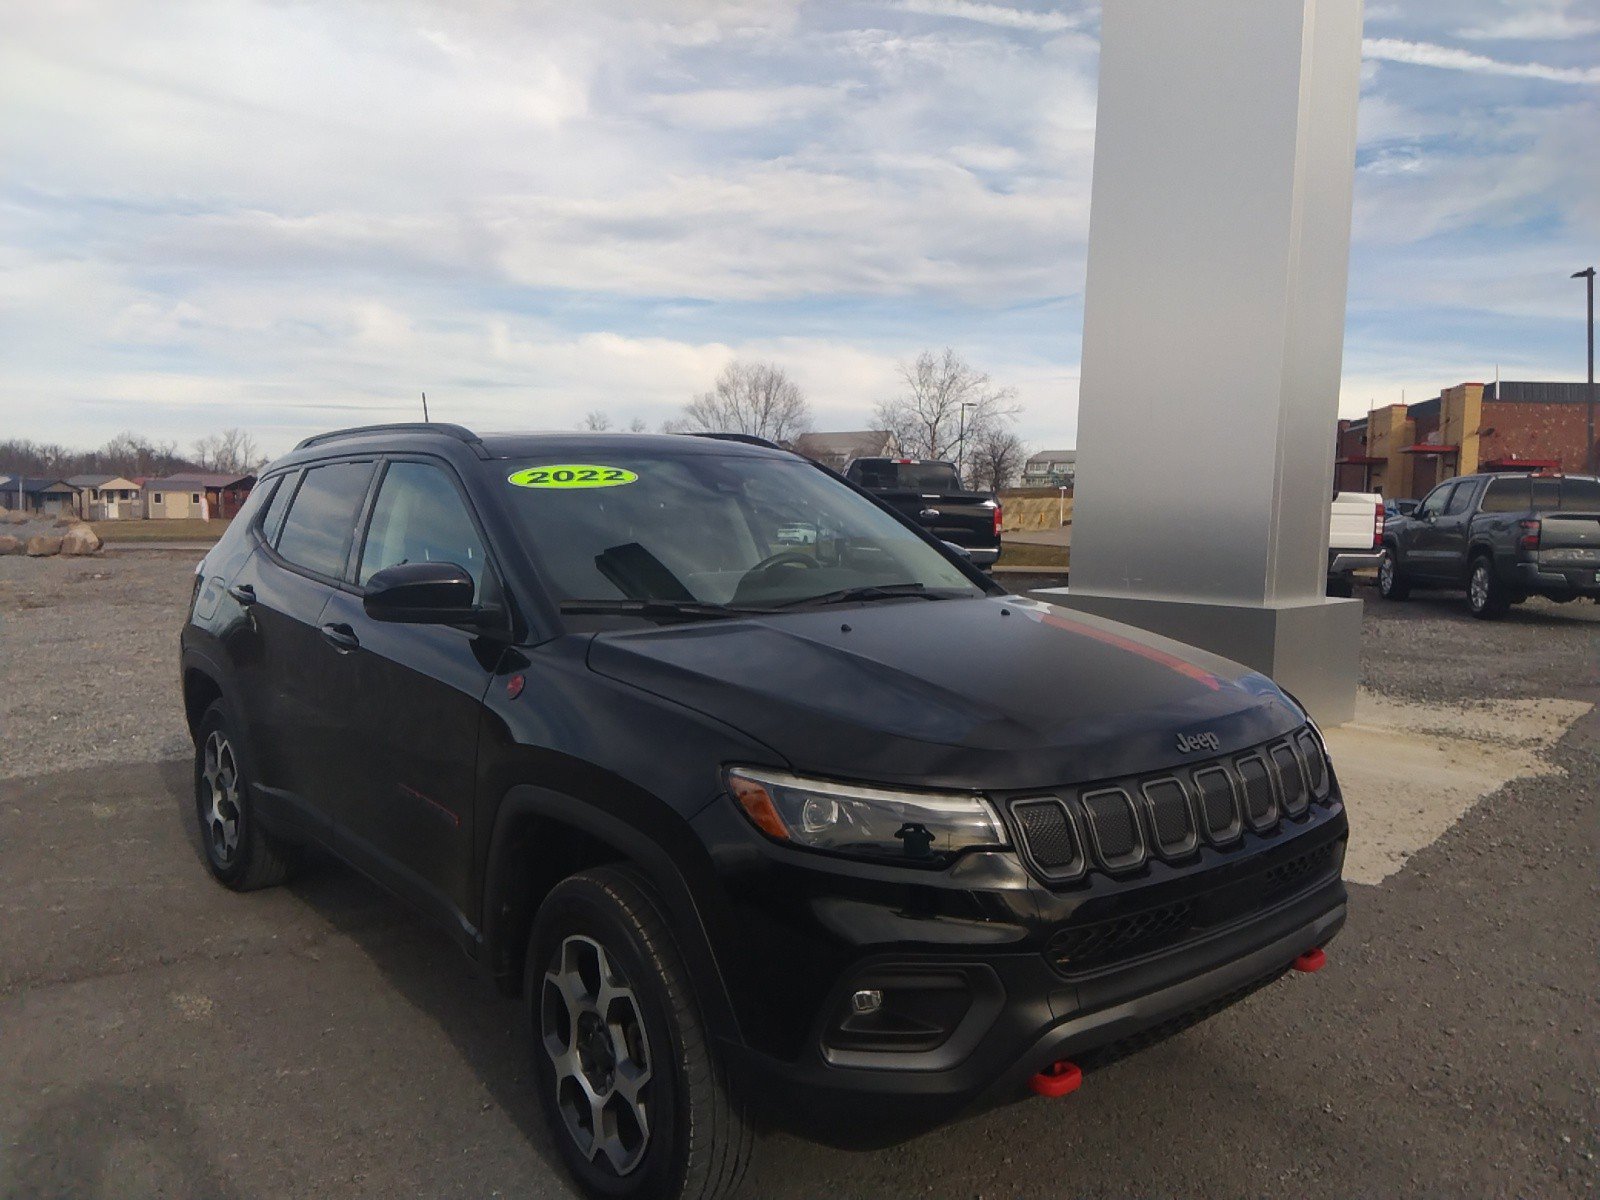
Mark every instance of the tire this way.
pixel 1486 596
pixel 239 853
pixel 681 1134
pixel 1392 584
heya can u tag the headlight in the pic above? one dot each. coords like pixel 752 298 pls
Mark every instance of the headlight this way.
pixel 924 827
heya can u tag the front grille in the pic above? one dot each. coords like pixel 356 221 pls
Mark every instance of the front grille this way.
pixel 1050 838
pixel 1118 825
pixel 1084 946
pixel 1091 944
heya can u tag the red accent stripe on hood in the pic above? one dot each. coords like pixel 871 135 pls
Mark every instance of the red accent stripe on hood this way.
pixel 1171 661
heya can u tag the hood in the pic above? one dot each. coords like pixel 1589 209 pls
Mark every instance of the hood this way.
pixel 990 693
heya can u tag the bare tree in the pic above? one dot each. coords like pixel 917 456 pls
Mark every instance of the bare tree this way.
pixel 637 425
pixel 994 459
pixel 943 400
pixel 754 398
pixel 595 421
pixel 231 451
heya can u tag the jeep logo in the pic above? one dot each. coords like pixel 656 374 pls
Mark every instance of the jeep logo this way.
pixel 1189 742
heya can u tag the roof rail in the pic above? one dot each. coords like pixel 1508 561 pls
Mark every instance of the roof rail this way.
pixel 749 439
pixel 460 432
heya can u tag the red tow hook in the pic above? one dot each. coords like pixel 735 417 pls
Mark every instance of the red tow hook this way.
pixel 1312 960
pixel 1058 1079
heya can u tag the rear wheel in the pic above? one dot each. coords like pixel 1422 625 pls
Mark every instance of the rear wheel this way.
pixel 1486 595
pixel 631 1087
pixel 1392 585
pixel 240 854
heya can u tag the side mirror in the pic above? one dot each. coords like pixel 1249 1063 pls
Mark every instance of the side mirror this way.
pixel 424 593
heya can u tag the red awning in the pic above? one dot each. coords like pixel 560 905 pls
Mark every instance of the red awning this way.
pixel 1428 449
pixel 1521 464
pixel 1361 460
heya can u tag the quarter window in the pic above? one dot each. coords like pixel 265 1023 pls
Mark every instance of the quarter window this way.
pixel 322 517
pixel 419 517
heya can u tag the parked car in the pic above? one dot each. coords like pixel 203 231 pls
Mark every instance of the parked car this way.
pixel 929 491
pixel 1502 537
pixel 1355 538
pixel 832 836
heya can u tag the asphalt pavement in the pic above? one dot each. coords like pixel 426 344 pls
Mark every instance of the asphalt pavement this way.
pixel 160 1036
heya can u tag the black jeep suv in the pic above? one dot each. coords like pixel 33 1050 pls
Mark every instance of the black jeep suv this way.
pixel 819 830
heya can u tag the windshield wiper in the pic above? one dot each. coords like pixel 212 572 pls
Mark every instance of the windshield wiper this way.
pixel 873 591
pixel 656 610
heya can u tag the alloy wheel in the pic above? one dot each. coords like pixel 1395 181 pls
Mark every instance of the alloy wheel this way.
pixel 219 773
pixel 1478 587
pixel 592 1029
pixel 1386 573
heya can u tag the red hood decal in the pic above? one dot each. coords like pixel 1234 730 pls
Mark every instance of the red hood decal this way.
pixel 1171 661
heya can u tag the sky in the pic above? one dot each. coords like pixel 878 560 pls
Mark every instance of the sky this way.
pixel 293 216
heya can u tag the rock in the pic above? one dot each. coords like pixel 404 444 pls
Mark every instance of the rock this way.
pixel 11 545
pixel 66 521
pixel 17 518
pixel 43 546
pixel 80 539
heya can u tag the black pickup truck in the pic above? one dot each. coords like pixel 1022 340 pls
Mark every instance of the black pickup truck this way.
pixel 929 491
pixel 1502 537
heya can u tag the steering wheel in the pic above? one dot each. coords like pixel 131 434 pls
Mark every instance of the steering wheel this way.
pixel 783 558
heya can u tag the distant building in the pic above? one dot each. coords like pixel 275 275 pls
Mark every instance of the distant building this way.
pixel 106 497
pixel 38 494
pixel 196 496
pixel 1404 450
pixel 1051 468
pixel 839 450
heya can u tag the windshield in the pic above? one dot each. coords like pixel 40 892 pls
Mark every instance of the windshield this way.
pixel 736 530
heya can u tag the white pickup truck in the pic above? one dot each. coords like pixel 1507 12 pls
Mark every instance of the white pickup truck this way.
pixel 1355 538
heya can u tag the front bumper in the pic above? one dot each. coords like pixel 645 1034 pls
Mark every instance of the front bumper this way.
pixel 1034 1018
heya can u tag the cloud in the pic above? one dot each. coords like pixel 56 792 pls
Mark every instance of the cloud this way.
pixel 1555 22
pixel 1038 21
pixel 1427 54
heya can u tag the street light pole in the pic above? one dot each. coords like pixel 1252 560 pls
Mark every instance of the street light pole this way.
pixel 961 441
pixel 1588 448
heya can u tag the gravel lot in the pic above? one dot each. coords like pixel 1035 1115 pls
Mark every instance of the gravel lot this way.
pixel 89 660
pixel 162 1037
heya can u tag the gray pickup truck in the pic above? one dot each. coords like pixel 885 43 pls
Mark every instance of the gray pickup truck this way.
pixel 1502 537
pixel 929 492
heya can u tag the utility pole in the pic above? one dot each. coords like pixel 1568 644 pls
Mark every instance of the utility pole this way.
pixel 1588 448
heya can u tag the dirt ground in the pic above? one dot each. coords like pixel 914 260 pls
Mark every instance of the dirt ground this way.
pixel 89 660
pixel 160 1036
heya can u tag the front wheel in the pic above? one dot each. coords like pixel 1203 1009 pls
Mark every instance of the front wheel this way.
pixel 1392 585
pixel 631 1086
pixel 1486 595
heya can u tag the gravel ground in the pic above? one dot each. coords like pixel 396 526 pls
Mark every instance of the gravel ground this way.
pixel 89 660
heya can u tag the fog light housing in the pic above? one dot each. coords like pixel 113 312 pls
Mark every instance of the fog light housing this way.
pixel 900 1014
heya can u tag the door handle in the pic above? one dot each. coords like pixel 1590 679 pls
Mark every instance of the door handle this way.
pixel 341 637
pixel 243 593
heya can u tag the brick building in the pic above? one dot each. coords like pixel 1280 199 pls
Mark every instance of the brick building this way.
pixel 1403 450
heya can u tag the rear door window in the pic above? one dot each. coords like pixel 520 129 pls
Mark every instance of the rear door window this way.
pixel 1507 495
pixel 322 517
pixel 1581 495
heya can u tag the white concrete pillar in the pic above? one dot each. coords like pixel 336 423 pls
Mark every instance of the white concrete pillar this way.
pixel 1214 328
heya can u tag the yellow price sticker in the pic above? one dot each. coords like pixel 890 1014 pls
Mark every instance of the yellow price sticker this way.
pixel 571 475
